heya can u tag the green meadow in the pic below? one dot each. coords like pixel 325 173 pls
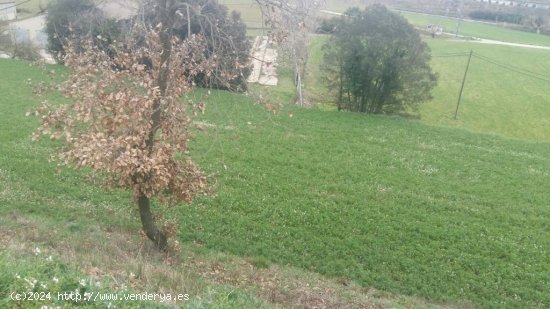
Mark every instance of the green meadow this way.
pixel 441 214
pixel 310 207
pixel 400 206
pixel 496 99
pixel 249 10
pixel 477 29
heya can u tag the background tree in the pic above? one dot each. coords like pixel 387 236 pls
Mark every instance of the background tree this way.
pixel 538 23
pixel 378 62
pixel 14 47
pixel 225 35
pixel 126 121
pixel 6 38
pixel 293 21
pixel 76 19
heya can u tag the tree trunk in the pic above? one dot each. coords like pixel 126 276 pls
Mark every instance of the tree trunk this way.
pixel 148 224
pixel 144 203
pixel 341 89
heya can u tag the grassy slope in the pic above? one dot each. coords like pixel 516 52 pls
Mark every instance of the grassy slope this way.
pixel 452 267
pixel 400 206
pixel 388 203
pixel 494 100
pixel 385 202
pixel 386 215
pixel 79 226
pixel 315 87
pixel 91 235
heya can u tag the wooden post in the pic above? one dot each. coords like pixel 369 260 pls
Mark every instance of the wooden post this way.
pixel 463 82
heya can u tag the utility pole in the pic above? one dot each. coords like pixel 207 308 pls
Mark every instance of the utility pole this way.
pixel 463 82
pixel 458 16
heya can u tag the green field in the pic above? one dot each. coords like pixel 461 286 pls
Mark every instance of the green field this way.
pixel 389 203
pixel 78 228
pixel 441 214
pixel 250 12
pixel 341 209
pixel 478 30
pixel 495 100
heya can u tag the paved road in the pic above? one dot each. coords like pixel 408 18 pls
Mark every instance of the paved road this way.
pixel 461 38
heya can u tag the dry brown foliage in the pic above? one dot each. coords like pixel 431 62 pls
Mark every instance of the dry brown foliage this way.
pixel 125 118
pixel 110 115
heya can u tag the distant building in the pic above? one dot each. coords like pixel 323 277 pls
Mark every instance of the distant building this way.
pixel 8 10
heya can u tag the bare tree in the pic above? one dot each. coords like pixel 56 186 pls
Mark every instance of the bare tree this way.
pixel 6 37
pixel 538 23
pixel 15 47
pixel 125 119
pixel 293 21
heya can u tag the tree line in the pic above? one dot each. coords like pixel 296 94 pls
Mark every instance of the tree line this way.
pixel 225 33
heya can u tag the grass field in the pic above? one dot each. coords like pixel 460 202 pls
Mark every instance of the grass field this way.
pixel 251 13
pixel 384 202
pixel 336 208
pixel 249 9
pixel 495 99
pixel 67 234
pixel 480 30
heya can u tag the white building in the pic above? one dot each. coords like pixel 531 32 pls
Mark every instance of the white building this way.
pixel 8 10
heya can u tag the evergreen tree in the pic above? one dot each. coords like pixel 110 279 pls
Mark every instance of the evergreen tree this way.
pixel 378 63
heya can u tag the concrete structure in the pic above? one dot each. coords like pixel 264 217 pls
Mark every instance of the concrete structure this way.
pixel 264 61
pixel 8 10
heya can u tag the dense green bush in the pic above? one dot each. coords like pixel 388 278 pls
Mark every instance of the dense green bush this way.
pixel 226 37
pixel 377 63
pixel 225 33
pixel 327 25
pixel 76 20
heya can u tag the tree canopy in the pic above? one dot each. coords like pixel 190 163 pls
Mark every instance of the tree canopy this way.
pixel 125 120
pixel 377 62
pixel 225 33
pixel 76 19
